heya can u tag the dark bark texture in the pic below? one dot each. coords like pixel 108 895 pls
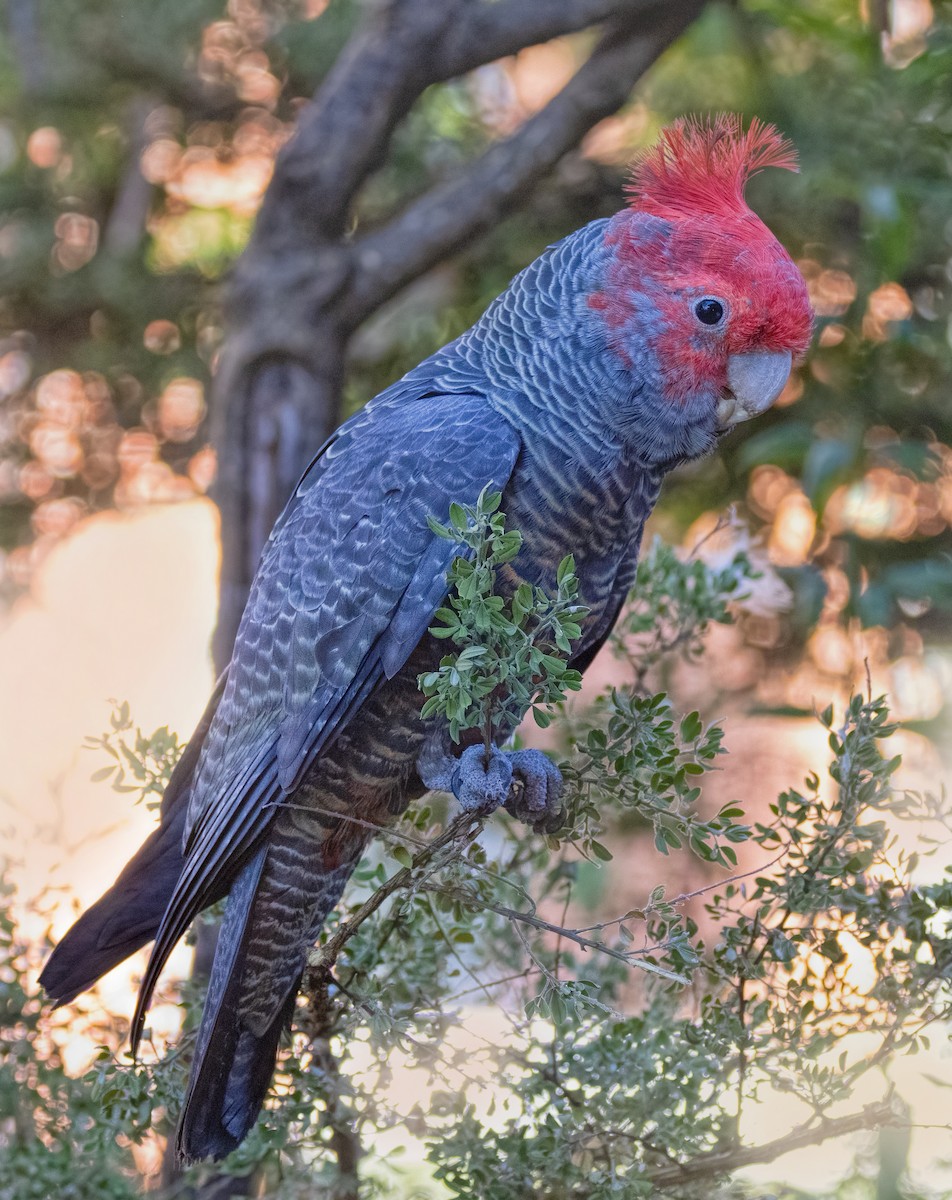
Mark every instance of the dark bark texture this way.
pixel 303 285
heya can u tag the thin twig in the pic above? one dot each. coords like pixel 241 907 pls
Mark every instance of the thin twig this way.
pixel 684 897
pixel 572 935
pixel 459 833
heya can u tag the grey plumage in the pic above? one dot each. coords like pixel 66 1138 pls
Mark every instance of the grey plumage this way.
pixel 317 719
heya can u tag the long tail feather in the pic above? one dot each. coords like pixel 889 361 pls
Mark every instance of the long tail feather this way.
pixel 122 920
pixel 203 1131
pixel 259 961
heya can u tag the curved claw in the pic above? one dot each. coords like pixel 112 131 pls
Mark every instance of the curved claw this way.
pixel 538 801
pixel 478 787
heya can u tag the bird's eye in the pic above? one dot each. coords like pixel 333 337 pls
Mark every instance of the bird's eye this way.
pixel 709 311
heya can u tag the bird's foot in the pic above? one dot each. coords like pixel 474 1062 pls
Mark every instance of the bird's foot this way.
pixel 535 796
pixel 481 784
pixel 526 782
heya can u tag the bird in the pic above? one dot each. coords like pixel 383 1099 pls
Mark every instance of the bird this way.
pixel 627 348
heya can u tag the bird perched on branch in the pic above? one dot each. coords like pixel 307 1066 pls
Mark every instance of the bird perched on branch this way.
pixel 627 348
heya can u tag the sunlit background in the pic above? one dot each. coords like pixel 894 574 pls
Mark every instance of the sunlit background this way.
pixel 122 208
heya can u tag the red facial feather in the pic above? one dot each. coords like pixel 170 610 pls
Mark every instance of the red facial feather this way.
pixel 700 167
pixel 711 242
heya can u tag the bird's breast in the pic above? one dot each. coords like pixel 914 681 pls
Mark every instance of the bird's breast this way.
pixel 561 509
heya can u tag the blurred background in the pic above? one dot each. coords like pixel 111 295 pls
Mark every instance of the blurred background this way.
pixel 136 145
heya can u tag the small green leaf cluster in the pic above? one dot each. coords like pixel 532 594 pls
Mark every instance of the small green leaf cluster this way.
pixel 53 1140
pixel 640 1106
pixel 512 650
pixel 788 940
pixel 673 602
pixel 146 759
pixel 632 757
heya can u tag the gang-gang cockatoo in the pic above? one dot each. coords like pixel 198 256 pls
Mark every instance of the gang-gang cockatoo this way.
pixel 625 349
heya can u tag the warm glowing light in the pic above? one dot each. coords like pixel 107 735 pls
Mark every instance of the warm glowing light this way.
pixel 793 531
pixel 162 337
pixel 792 391
pixel 831 291
pixel 918 689
pixel 207 182
pixel 539 72
pixel 831 649
pixel 181 408
pixel 57 517
pixel 256 84
pixel 832 335
pixel 905 40
pixel 161 160
pixel 16 366
pixel 137 448
pixel 615 139
pixel 122 606
pixel 35 480
pixel 77 237
pixel 888 304
pixel 202 468
pixel 768 486
pixel 60 397
pixel 44 147
pixel 882 504
pixel 57 448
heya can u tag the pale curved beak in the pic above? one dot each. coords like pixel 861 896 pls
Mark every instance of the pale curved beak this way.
pixel 755 381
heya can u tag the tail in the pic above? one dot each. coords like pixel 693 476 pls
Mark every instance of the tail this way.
pixel 275 911
pixel 129 913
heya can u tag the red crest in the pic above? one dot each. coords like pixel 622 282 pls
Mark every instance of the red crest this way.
pixel 699 167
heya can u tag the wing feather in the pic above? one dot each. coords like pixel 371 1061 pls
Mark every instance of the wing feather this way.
pixel 347 585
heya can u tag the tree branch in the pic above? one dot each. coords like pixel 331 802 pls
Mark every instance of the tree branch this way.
pixel 486 32
pixel 406 46
pixel 722 1162
pixel 572 935
pixel 342 136
pixel 475 201
pixel 23 27
pixel 125 226
pixel 458 834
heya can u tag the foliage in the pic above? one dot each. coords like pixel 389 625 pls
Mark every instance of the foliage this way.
pixel 513 653
pixel 606 1076
pixel 609 1081
pixel 674 601
pixel 147 759
pixel 52 1141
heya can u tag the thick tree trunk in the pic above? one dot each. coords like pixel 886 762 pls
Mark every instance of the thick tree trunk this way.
pixel 278 414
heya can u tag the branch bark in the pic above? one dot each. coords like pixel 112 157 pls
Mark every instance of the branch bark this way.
pixel 722 1162
pixel 474 202
pixel 456 836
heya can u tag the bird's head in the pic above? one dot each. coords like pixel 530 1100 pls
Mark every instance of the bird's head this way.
pixel 702 307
